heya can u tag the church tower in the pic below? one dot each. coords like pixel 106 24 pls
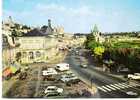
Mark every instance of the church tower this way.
pixel 95 32
pixel 49 23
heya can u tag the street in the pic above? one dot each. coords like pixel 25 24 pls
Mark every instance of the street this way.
pixel 108 86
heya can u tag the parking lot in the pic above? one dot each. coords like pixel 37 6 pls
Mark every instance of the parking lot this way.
pixel 76 89
pixel 35 84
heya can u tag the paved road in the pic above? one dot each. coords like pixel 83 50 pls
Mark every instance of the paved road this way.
pixel 108 86
pixel 38 82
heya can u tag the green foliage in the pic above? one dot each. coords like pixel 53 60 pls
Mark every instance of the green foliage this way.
pixel 121 52
pixel 127 44
pixel 16 30
pixel 16 33
pixel 99 50
pixel 130 57
pixel 25 27
pixel 91 43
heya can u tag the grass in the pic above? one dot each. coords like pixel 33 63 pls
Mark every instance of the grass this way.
pixel 127 44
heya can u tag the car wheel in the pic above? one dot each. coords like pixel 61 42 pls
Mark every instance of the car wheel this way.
pixel 130 78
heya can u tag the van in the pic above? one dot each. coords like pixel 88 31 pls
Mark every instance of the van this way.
pixel 62 67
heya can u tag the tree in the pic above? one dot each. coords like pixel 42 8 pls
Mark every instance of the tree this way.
pixel 99 50
pixel 25 27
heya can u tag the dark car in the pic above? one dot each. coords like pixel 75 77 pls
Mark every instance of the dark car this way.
pixel 83 65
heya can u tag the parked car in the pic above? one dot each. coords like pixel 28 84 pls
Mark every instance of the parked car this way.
pixel 135 76
pixel 83 65
pixel 49 78
pixel 53 90
pixel 70 82
pixel 62 67
pixel 77 52
pixel 23 75
pixel 49 71
pixel 131 93
pixel 68 77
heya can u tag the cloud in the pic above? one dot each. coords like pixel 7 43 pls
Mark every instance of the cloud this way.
pixel 69 17
pixel 59 9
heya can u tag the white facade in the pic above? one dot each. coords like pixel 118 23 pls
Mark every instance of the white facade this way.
pixel 36 48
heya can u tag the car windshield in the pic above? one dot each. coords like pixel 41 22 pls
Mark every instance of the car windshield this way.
pixel 58 66
pixel 70 76
pixel 137 74
pixel 51 89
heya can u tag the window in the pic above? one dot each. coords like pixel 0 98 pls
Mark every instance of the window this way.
pixel 24 54
pixel 18 56
pixel 5 39
pixel 38 54
pixel 31 56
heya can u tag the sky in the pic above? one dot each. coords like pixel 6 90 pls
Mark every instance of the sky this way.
pixel 76 15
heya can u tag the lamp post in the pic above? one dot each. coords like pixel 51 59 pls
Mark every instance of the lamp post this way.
pixel 91 82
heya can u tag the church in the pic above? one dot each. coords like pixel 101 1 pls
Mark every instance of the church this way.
pixel 97 34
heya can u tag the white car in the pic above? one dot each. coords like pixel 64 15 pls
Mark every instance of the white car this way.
pixel 135 76
pixel 62 67
pixel 131 93
pixel 53 90
pixel 49 71
pixel 68 77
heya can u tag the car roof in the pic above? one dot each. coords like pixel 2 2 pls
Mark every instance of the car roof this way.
pixel 51 87
pixel 69 72
pixel 62 64
pixel 137 73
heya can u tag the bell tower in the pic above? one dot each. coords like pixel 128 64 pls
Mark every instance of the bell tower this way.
pixel 96 33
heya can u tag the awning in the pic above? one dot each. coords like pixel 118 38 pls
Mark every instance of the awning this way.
pixel 7 71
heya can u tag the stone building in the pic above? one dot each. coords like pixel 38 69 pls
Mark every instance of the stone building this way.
pixel 47 29
pixel 37 45
pixel 98 37
pixel 36 48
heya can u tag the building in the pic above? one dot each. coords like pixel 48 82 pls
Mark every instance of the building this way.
pixel 98 37
pixel 36 45
pixel 35 48
pixel 47 29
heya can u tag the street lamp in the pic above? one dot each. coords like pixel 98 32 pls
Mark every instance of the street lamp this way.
pixel 91 82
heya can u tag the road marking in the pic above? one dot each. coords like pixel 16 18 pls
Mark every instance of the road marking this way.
pixel 124 85
pixel 137 84
pixel 101 89
pixel 114 86
pixel 106 88
pixel 119 86
pixel 110 87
